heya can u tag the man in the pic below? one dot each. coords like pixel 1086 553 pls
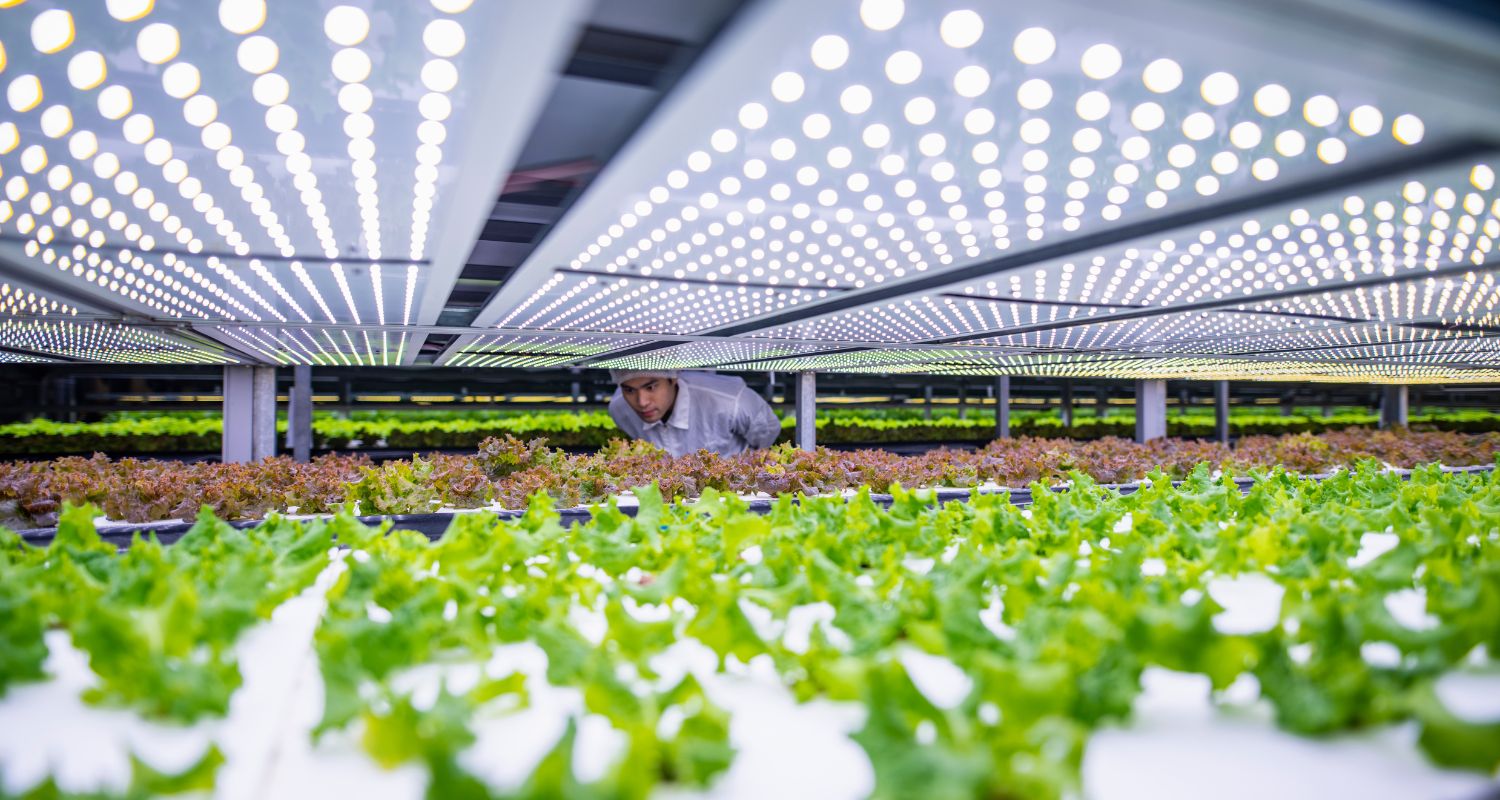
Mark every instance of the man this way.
pixel 687 413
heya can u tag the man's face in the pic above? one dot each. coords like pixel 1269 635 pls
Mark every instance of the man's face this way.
pixel 650 397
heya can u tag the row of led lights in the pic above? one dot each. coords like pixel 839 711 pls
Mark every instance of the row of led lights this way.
pixel 443 39
pixel 39 211
pixel 158 43
pixel 52 32
pixel 100 342
pixel 1035 46
pixel 1443 198
pixel 564 310
pixel 1148 332
pixel 17 301
pixel 1201 367
pixel 1446 299
pixel 1278 240
pixel 643 306
pixel 285 347
pixel 922 318
pixel 1365 342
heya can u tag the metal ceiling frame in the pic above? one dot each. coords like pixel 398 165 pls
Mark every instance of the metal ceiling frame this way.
pixel 1451 67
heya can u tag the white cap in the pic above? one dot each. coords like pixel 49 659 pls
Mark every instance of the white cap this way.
pixel 619 376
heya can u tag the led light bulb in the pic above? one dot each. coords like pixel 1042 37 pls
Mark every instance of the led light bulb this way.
pixel 971 81
pixel 1162 75
pixel 1320 111
pixel 961 29
pixel 258 55
pixel 903 67
pixel 881 15
pixel 830 52
pixel 24 93
pixel 181 80
pixel 787 87
pixel 443 38
pixel 1220 88
pixel 1147 116
pixel 128 10
pixel 271 89
pixel 351 65
pixel 1100 61
pixel 1366 120
pixel 158 43
pixel 1408 129
pixel 200 110
pixel 439 75
pixel 347 26
pixel 1034 94
pixel 52 31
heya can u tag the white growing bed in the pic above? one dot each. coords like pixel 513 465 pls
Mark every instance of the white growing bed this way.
pixel 1178 744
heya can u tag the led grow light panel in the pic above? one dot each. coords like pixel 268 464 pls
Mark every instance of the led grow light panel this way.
pixel 853 144
pixel 901 360
pixel 633 304
pixel 533 351
pixel 695 355
pixel 313 346
pixel 18 299
pixel 177 155
pixel 1458 351
pixel 1241 369
pixel 7 357
pixel 1335 340
pixel 1188 329
pixel 1399 228
pixel 1467 299
pixel 935 316
pixel 105 343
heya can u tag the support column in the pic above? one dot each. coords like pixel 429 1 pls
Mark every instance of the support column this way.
pixel 927 400
pixel 963 399
pixel 1221 411
pixel 1150 410
pixel 235 447
pixel 1066 406
pixel 807 410
pixel 249 420
pixel 263 419
pixel 299 414
pixel 1393 407
pixel 1002 407
pixel 1101 402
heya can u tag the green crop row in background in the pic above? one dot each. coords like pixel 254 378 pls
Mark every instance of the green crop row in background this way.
pixel 178 434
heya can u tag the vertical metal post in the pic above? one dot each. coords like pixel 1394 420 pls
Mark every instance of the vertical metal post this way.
pixel 1393 407
pixel 235 446
pixel 299 414
pixel 807 410
pixel 69 399
pixel 1002 407
pixel 927 399
pixel 263 415
pixel 1150 410
pixel 1287 403
pixel 1101 402
pixel 1221 411
pixel 1066 405
pixel 963 396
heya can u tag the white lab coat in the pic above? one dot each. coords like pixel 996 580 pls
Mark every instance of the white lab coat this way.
pixel 712 412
